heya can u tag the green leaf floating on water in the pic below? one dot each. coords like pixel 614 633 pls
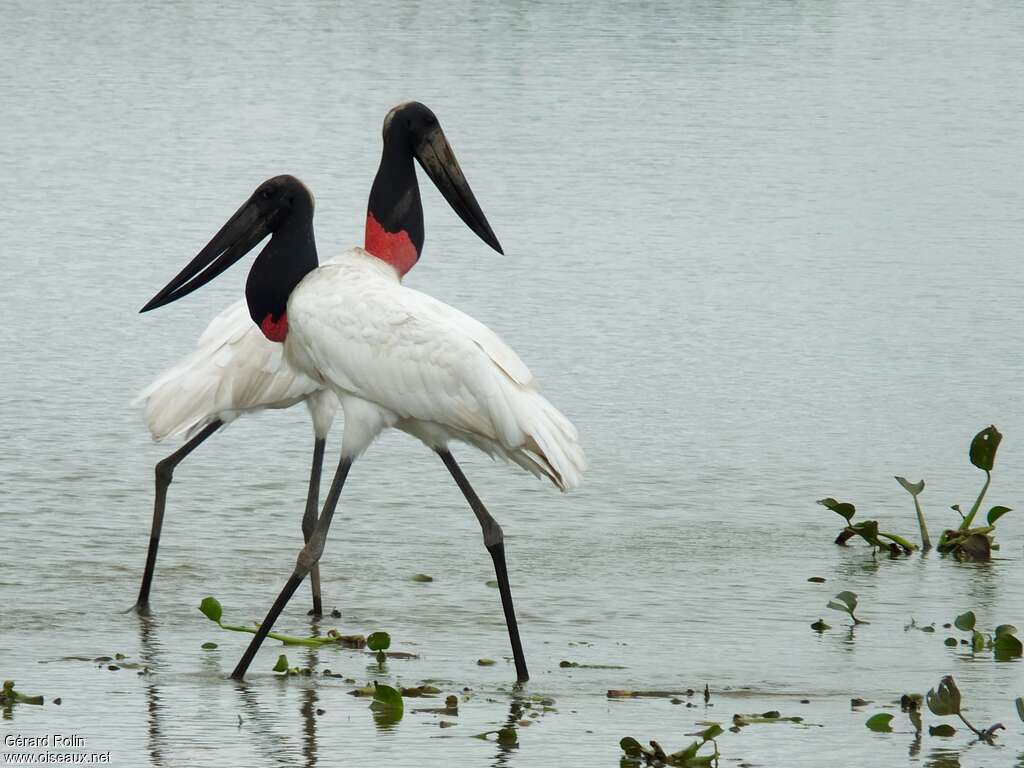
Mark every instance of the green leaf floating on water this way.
pixel 951 642
pixel 880 723
pixel 386 699
pixel 945 729
pixel 1019 701
pixel 984 447
pixel 208 646
pixel 378 641
pixel 965 621
pixel 282 664
pixel 820 626
pixel 1007 646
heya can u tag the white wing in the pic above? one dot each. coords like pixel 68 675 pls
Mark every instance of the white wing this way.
pixel 233 369
pixel 371 337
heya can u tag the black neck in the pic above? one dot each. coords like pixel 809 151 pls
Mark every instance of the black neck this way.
pixel 395 196
pixel 287 258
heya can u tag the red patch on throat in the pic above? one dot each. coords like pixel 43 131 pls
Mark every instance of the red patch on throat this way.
pixel 396 248
pixel 275 330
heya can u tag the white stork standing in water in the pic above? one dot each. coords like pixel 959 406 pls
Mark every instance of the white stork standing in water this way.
pixel 234 369
pixel 395 357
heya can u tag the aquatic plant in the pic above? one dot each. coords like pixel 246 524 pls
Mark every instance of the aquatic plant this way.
pixel 845 602
pixel 10 697
pixel 379 642
pixel 211 608
pixel 867 530
pixel 944 701
pixel 880 723
pixel 687 757
pixel 1003 641
pixel 966 540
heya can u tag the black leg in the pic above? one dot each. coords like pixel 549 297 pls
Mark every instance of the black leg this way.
pixel 164 475
pixel 308 557
pixel 309 520
pixel 494 540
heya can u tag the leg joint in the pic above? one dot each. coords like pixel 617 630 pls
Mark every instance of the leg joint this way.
pixel 493 535
pixel 165 470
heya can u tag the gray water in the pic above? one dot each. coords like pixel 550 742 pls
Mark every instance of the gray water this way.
pixel 759 252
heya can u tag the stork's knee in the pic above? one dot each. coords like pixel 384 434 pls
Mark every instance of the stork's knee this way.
pixel 164 472
pixel 309 556
pixel 493 535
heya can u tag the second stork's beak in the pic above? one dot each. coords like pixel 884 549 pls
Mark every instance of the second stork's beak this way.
pixel 437 158
pixel 242 232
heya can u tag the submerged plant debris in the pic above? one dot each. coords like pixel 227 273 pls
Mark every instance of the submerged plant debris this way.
pixel 10 697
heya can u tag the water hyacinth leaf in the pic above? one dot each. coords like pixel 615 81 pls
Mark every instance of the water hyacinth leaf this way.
pixel 820 626
pixel 1019 701
pixel 995 513
pixel 1005 629
pixel 951 642
pixel 282 664
pixel 378 641
pixel 422 578
pixel 387 699
pixel 977 642
pixel 816 580
pixel 1007 646
pixel 485 662
pixel 912 488
pixel 211 609
pixel 945 698
pixel 984 447
pixel 209 646
pixel 880 723
pixel 711 732
pixel 631 746
pixel 844 601
pixel 945 729
pixel 965 621
pixel 842 508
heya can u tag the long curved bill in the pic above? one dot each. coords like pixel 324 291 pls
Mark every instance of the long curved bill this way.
pixel 242 232
pixel 438 160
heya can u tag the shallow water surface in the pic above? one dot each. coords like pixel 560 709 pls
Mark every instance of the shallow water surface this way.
pixel 760 253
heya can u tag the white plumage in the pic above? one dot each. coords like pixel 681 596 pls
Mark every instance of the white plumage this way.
pixel 234 369
pixel 399 358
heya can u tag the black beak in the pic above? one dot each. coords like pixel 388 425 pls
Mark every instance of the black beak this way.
pixel 240 235
pixel 438 160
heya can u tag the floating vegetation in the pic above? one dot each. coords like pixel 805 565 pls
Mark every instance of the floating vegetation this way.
pixel 684 758
pixel 966 541
pixel 880 723
pixel 209 646
pixel 1003 641
pixel 868 530
pixel 485 662
pixel 506 737
pixel 772 716
pixel 820 626
pixel 451 707
pixel 944 701
pixel 386 699
pixel 422 578
pixel 576 665
pixel 846 602
pixel 620 694
pixel 211 608
pixel 9 697
pixel 282 667
pixel 379 642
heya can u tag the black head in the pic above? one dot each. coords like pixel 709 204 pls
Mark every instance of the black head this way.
pixel 280 206
pixel 412 130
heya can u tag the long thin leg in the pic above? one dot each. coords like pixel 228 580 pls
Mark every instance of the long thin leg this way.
pixel 494 540
pixel 164 475
pixel 309 519
pixel 307 558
